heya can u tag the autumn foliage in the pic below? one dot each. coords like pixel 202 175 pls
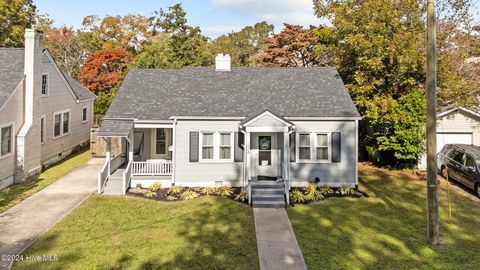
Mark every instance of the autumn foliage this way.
pixel 103 70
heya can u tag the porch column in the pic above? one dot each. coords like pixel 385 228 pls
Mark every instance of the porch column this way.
pixel 247 157
pixel 108 153
pixel 130 147
pixel 286 155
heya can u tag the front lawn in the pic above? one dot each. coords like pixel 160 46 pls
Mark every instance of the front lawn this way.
pixel 14 194
pixel 133 233
pixel 388 229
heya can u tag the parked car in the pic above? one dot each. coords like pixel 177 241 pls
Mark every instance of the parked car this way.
pixel 461 162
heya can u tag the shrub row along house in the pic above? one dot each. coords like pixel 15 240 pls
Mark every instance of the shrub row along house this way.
pixel 240 127
pixel 44 113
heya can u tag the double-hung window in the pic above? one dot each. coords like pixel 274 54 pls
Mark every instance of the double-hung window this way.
pixel 84 114
pixel 6 140
pixel 161 147
pixel 61 123
pixel 45 84
pixel 314 147
pixel 304 150
pixel 216 146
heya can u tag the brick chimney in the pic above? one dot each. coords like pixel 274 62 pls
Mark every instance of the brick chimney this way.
pixel 223 62
pixel 28 150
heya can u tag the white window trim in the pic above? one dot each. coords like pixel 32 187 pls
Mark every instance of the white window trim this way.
pixel 83 108
pixel 44 135
pixel 12 124
pixel 61 123
pixel 47 93
pixel 216 147
pixel 313 147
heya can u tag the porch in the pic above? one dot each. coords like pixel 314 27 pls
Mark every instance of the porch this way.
pixel 146 155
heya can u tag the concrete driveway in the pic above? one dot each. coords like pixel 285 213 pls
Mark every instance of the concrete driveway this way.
pixel 28 220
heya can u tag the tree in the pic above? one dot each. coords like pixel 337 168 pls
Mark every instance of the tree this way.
pixel 157 54
pixel 67 49
pixel 189 46
pixel 244 45
pixel 15 16
pixel 128 32
pixel 293 47
pixel 104 70
pixel 380 53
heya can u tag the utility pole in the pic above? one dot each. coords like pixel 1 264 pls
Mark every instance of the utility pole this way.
pixel 432 184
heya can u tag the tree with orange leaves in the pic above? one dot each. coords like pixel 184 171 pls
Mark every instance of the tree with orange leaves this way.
pixel 104 70
pixel 293 47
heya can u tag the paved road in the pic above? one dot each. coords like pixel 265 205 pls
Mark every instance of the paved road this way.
pixel 277 245
pixel 28 220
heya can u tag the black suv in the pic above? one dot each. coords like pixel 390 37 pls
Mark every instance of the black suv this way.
pixel 461 162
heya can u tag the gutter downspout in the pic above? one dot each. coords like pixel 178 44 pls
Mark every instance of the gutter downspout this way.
pixel 174 142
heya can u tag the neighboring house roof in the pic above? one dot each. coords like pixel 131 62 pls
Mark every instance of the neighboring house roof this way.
pixel 463 109
pixel 81 92
pixel 159 94
pixel 11 71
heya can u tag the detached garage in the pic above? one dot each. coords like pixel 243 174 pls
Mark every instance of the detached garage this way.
pixel 456 126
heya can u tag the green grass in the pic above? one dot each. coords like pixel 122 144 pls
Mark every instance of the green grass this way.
pixel 388 229
pixel 14 194
pixel 134 233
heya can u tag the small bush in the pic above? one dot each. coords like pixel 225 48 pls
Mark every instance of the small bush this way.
pixel 347 189
pixel 326 190
pixel 150 194
pixel 312 193
pixel 171 198
pixel 175 190
pixel 188 194
pixel 297 196
pixel 155 187
pixel 225 191
pixel 241 197
pixel 209 190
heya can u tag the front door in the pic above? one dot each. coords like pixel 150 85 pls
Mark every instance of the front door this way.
pixel 264 159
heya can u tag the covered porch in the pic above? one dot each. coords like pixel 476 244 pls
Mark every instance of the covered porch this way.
pixel 146 156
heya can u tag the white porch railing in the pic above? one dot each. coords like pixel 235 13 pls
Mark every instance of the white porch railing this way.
pixel 153 168
pixel 102 177
pixel 127 175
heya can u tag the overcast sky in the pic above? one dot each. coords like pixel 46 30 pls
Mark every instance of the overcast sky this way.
pixel 215 17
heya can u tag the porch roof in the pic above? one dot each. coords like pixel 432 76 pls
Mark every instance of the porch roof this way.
pixel 115 128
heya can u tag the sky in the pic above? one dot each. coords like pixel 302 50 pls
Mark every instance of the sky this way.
pixel 215 17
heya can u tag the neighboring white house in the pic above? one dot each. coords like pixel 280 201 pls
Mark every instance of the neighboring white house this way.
pixel 456 126
pixel 44 113
pixel 239 127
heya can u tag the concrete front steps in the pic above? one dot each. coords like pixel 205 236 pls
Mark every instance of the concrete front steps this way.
pixel 113 187
pixel 268 194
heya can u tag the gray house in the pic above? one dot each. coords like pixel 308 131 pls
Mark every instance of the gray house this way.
pixel 44 113
pixel 241 127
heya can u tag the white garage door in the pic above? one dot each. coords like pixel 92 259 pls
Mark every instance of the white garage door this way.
pixel 456 138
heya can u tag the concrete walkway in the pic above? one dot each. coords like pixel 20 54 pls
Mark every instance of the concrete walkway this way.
pixel 277 246
pixel 28 220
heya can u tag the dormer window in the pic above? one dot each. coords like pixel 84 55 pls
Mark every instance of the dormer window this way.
pixel 45 84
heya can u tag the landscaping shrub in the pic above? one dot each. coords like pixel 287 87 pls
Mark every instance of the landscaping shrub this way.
pixel 241 197
pixel 175 190
pixel 326 190
pixel 155 187
pixel 297 196
pixel 209 190
pixel 225 191
pixel 188 194
pixel 150 194
pixel 171 198
pixel 312 193
pixel 347 189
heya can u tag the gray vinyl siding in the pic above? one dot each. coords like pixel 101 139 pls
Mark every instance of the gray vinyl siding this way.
pixel 12 111
pixel 60 98
pixel 329 173
pixel 229 172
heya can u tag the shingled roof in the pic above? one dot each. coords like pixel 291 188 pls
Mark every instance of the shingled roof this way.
pixel 11 71
pixel 159 94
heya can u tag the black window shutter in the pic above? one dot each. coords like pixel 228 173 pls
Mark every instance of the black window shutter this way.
pixel 194 146
pixel 292 147
pixel 238 144
pixel 336 147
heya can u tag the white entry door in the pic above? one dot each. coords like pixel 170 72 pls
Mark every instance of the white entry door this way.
pixel 264 154
pixel 453 138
